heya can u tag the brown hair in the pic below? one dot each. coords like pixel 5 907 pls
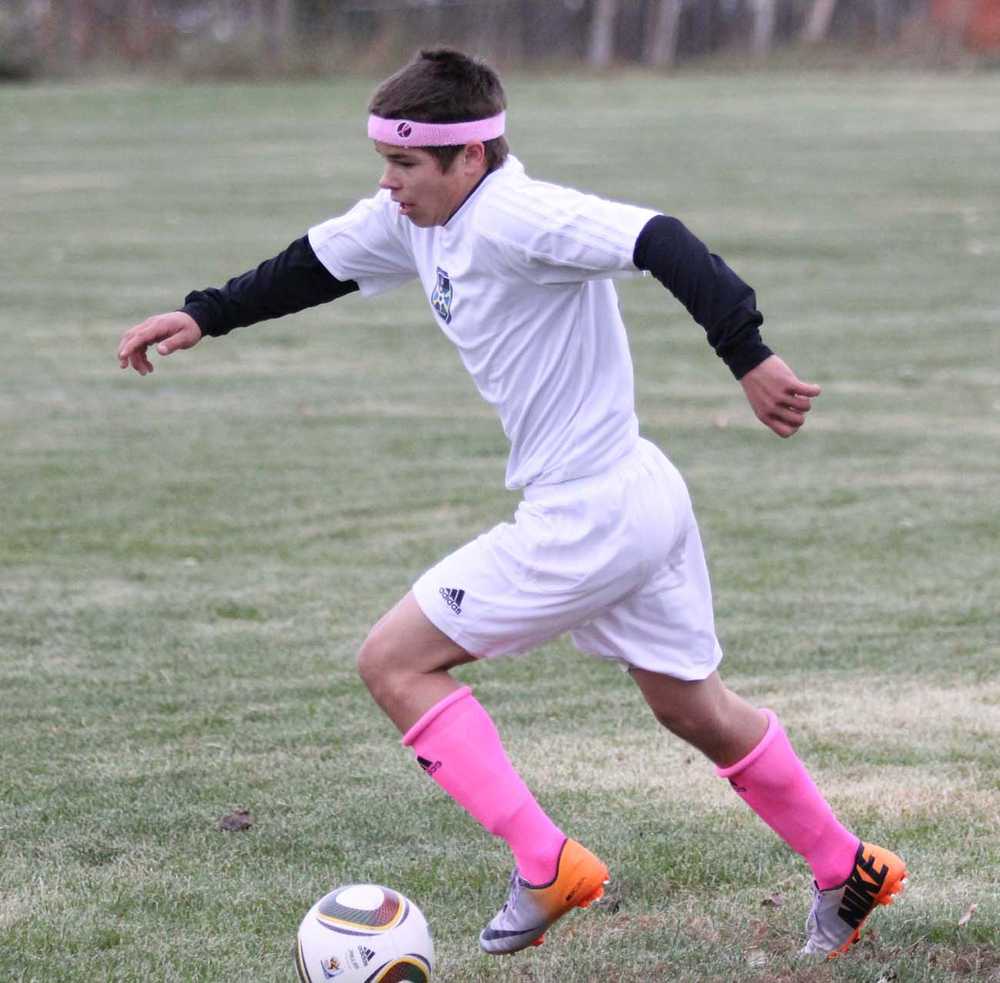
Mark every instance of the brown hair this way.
pixel 444 86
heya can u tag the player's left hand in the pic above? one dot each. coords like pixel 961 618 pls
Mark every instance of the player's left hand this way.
pixel 778 396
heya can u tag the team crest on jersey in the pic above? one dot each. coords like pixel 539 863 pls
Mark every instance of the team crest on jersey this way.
pixel 442 295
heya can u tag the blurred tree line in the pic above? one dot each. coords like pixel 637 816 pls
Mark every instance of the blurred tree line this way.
pixel 251 37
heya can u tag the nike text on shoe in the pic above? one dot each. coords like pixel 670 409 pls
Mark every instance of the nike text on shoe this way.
pixel 530 910
pixel 837 914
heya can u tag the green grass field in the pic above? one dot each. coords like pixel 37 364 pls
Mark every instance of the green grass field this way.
pixel 189 561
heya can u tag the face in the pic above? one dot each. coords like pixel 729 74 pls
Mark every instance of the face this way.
pixel 425 195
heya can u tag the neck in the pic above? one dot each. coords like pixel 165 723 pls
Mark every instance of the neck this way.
pixel 472 190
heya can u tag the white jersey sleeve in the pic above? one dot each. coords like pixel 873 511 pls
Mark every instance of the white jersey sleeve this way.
pixel 553 234
pixel 368 244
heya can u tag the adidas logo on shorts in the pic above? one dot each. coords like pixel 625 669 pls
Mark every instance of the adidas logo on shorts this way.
pixel 453 598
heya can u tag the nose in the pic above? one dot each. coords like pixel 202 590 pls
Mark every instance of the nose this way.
pixel 387 181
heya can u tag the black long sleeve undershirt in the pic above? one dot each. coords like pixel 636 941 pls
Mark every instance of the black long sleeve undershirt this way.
pixel 713 294
pixel 291 281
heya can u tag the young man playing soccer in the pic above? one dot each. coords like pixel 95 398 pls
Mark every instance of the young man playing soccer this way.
pixel 604 544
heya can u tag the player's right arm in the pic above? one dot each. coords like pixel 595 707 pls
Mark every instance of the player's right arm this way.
pixel 169 332
pixel 291 281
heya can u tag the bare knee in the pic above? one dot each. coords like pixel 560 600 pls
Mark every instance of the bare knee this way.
pixel 712 728
pixel 685 708
pixel 705 714
pixel 691 724
pixel 402 654
pixel 378 664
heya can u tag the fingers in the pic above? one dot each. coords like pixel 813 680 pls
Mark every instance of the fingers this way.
pixel 140 362
pixel 133 345
pixel 790 412
pixel 784 414
pixel 790 417
pixel 783 421
pixel 132 351
pixel 168 331
pixel 799 388
pixel 798 403
pixel 779 398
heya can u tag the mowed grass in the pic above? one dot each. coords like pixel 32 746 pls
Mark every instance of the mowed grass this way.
pixel 190 560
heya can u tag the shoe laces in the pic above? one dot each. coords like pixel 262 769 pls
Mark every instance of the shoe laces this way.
pixel 514 892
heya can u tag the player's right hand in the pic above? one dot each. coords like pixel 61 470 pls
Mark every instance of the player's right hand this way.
pixel 169 332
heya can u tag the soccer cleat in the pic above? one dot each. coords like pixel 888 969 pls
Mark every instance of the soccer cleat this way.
pixel 530 910
pixel 834 923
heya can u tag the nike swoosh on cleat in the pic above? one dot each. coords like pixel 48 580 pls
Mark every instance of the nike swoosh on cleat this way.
pixel 489 934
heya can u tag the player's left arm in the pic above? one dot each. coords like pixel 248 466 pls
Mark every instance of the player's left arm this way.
pixel 726 308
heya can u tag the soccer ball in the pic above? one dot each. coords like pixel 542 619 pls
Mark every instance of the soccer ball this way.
pixel 364 933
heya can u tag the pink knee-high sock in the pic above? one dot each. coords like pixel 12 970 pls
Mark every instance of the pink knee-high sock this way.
pixel 457 744
pixel 776 785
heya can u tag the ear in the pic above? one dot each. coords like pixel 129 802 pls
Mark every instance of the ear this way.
pixel 474 156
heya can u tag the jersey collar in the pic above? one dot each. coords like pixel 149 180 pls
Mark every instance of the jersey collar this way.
pixel 509 166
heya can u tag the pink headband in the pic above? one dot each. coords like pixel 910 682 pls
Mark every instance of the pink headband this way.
pixel 406 133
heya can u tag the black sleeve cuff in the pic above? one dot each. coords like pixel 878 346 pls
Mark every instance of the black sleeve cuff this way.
pixel 745 355
pixel 714 296
pixel 291 281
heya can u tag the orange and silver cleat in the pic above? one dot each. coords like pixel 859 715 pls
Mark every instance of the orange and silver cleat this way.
pixel 837 914
pixel 530 909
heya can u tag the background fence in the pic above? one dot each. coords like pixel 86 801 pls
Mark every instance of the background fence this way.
pixel 250 37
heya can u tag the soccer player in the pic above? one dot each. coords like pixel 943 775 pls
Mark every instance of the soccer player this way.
pixel 604 544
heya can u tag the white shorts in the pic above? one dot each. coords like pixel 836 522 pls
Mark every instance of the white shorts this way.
pixel 615 559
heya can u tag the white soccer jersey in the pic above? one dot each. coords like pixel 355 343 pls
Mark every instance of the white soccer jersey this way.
pixel 520 280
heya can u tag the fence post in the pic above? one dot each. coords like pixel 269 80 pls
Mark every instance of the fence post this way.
pixel 819 20
pixel 660 48
pixel 602 33
pixel 764 17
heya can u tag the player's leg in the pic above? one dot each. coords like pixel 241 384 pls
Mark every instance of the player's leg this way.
pixel 404 662
pixel 664 632
pixel 751 749
pixel 506 592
